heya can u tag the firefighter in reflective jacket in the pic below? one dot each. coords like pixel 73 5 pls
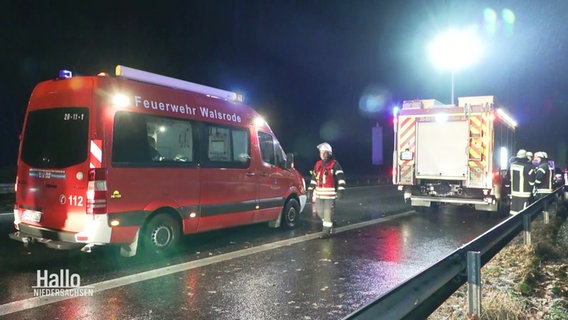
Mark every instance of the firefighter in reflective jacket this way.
pixel 521 175
pixel 544 176
pixel 326 185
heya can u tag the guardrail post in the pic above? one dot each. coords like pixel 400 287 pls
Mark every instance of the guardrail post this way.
pixel 527 228
pixel 545 212
pixel 474 284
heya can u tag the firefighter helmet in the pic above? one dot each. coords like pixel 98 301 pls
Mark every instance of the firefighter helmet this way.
pixel 522 153
pixel 539 154
pixel 324 147
pixel 529 154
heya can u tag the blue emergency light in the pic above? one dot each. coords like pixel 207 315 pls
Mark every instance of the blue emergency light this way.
pixel 395 110
pixel 65 74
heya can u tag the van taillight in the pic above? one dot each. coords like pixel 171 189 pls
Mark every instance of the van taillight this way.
pixel 96 191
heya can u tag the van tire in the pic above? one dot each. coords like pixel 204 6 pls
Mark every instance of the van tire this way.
pixel 161 235
pixel 290 214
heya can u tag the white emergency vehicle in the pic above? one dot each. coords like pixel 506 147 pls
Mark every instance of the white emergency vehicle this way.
pixel 453 154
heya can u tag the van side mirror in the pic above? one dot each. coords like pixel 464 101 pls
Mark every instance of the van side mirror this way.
pixel 289 164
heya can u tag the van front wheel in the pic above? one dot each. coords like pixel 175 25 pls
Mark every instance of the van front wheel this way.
pixel 290 214
pixel 161 235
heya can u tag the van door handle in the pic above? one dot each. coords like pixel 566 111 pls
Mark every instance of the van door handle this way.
pixel 50 185
pixel 250 174
pixel 263 174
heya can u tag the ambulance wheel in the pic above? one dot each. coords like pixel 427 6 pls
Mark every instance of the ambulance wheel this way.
pixel 290 214
pixel 161 235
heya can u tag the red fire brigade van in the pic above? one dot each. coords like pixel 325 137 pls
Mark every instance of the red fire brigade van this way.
pixel 141 159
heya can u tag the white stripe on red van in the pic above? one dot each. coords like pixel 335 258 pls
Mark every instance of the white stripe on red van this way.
pixel 96 156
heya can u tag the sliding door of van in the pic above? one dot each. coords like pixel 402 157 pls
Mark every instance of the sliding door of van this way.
pixel 154 165
pixel 228 185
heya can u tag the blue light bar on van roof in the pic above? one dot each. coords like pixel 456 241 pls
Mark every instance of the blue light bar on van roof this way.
pixel 65 74
pixel 140 75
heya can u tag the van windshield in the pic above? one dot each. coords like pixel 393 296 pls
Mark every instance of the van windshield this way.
pixel 56 138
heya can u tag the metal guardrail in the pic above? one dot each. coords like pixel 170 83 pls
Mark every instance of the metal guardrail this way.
pixel 421 295
pixel 7 188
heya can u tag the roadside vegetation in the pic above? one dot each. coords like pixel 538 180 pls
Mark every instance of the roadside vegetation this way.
pixel 522 282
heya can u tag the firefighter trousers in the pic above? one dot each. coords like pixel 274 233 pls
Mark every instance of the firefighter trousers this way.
pixel 518 204
pixel 325 209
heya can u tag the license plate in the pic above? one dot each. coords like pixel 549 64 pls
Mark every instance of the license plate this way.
pixel 31 216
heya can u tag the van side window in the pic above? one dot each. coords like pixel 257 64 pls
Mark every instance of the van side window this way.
pixel 143 140
pixel 174 139
pixel 226 147
pixel 130 141
pixel 266 144
pixel 279 154
pixel 271 150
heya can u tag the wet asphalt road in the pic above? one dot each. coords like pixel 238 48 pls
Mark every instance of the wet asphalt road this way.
pixel 250 272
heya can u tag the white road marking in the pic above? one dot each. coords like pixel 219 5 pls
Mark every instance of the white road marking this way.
pixel 34 302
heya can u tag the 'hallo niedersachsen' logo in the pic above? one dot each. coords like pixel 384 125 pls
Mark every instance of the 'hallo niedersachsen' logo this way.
pixel 62 284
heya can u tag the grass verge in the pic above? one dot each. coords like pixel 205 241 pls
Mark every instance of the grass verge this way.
pixel 522 282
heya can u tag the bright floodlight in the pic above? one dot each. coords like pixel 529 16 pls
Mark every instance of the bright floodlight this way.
pixel 455 50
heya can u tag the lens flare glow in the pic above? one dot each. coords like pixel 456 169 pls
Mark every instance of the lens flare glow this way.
pixel 455 49
pixel 374 100
pixel 489 15
pixel 120 101
pixel 508 16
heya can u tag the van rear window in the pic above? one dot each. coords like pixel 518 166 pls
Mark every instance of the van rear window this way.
pixel 56 138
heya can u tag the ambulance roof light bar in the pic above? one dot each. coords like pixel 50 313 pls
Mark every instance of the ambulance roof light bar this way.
pixel 140 75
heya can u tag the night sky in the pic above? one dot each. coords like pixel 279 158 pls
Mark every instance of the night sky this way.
pixel 306 66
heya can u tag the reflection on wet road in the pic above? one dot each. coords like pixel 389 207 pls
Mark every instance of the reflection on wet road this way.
pixel 251 272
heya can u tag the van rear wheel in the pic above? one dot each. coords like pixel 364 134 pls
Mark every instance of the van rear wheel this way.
pixel 290 214
pixel 161 235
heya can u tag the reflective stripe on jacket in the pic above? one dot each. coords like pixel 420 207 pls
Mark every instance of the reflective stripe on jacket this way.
pixel 522 179
pixel 327 179
pixel 544 178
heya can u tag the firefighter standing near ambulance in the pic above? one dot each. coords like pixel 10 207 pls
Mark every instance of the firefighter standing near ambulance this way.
pixel 521 179
pixel 544 176
pixel 326 185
